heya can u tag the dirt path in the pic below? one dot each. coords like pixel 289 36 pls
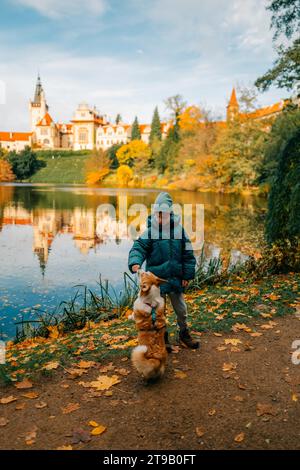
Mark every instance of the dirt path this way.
pixel 259 378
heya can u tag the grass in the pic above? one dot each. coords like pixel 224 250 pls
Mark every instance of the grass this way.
pixel 230 303
pixel 65 168
pixel 86 306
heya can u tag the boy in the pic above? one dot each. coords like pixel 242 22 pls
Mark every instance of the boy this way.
pixel 168 254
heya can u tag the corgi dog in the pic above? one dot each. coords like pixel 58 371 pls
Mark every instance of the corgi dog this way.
pixel 149 357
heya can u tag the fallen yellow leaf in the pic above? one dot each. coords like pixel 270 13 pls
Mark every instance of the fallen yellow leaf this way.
pixel 86 364
pixel 228 366
pixel 104 382
pixel 24 384
pixel 179 374
pixel 98 430
pixel 233 341
pixel 51 365
pixel 200 431
pixel 240 437
pixel 6 400
pixel 30 395
pixel 93 424
pixel 70 408
pixel 54 333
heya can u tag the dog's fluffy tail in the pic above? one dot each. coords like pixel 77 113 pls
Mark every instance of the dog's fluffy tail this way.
pixel 149 368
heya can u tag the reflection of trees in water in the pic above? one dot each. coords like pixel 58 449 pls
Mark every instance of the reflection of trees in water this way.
pixel 239 227
pixel 6 196
pixel 231 221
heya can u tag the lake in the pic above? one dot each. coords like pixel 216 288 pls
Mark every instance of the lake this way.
pixel 52 238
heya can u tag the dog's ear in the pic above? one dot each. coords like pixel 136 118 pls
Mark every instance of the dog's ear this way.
pixel 159 280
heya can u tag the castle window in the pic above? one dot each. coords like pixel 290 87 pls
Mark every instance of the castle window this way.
pixel 83 135
pixel 44 131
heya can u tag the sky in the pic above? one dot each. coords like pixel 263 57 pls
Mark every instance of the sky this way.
pixel 127 56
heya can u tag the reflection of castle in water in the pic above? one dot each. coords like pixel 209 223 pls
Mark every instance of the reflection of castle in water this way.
pixel 89 230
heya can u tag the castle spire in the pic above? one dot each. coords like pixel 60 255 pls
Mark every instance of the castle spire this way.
pixel 38 90
pixel 233 107
pixel 233 99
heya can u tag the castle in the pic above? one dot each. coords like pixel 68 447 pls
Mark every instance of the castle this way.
pixel 89 129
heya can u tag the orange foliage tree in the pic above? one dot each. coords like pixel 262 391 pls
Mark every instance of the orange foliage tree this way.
pixel 190 119
pixel 124 175
pixel 96 167
pixel 6 173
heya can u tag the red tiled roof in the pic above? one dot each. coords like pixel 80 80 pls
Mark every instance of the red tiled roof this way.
pixel 264 112
pixel 15 136
pixel 46 120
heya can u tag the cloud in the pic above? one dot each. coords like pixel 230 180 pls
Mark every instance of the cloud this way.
pixel 199 49
pixel 56 9
pixel 251 19
pixel 207 27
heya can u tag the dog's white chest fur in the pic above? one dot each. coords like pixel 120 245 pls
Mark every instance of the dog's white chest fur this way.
pixel 152 300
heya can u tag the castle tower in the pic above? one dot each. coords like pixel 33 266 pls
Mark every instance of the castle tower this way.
pixel 233 108
pixel 38 107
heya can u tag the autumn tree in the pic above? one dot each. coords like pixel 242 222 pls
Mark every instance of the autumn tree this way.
pixel 135 130
pixel 124 175
pixel 175 104
pixel 238 153
pixel 190 119
pixel 6 173
pixel 247 98
pixel 97 166
pixel 136 153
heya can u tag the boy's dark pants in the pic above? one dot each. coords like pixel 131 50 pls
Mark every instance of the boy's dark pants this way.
pixel 180 308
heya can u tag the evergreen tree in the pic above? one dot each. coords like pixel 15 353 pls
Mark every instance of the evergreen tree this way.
pixel 135 130
pixel 169 150
pixel 118 118
pixel 283 218
pixel 112 155
pixel 25 163
pixel 283 128
pixel 155 133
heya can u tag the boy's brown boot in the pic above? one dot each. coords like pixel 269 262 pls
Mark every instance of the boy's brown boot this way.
pixel 187 340
pixel 168 344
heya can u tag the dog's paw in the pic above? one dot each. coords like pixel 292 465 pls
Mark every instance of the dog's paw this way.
pixel 131 317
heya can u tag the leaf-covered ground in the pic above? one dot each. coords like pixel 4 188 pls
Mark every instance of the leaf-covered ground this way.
pixel 215 308
pixel 240 390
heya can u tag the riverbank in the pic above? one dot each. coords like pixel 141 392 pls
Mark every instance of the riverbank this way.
pixel 70 168
pixel 222 307
pixel 239 391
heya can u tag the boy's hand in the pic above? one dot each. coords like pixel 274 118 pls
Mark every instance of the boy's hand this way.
pixel 184 283
pixel 135 268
